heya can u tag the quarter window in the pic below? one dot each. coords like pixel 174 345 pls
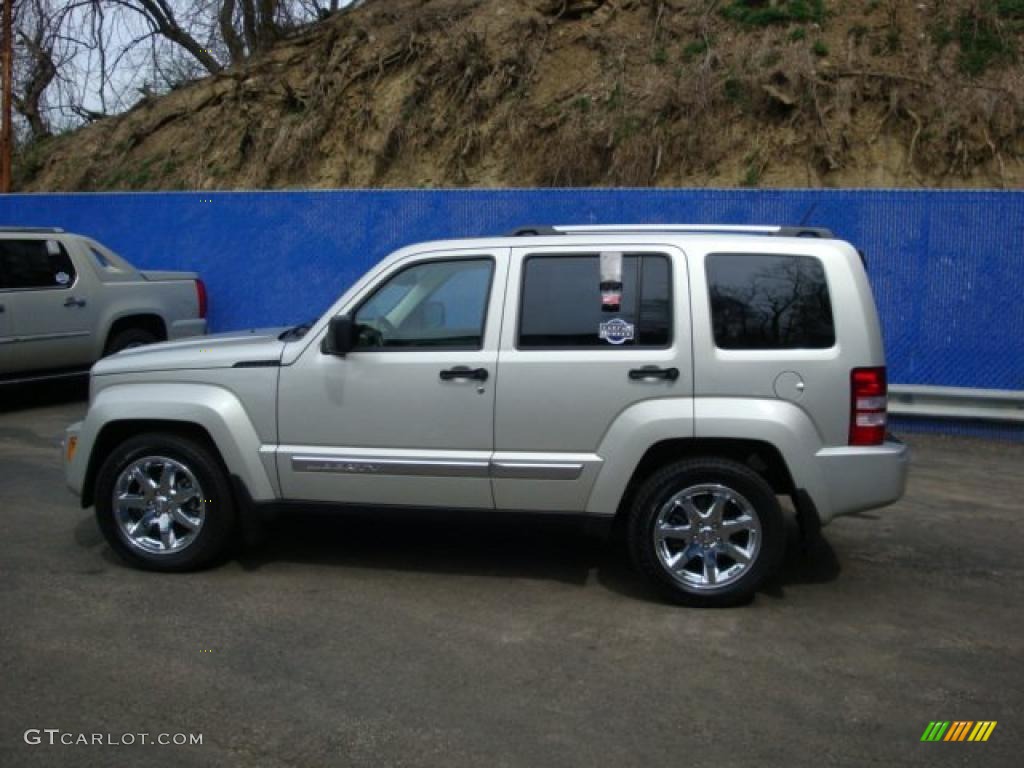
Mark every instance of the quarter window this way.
pixel 35 264
pixel 561 306
pixel 437 304
pixel 769 302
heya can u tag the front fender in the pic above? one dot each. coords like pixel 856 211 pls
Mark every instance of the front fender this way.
pixel 214 409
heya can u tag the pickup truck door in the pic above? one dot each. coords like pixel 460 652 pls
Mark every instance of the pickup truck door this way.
pixel 6 334
pixel 407 417
pixel 49 307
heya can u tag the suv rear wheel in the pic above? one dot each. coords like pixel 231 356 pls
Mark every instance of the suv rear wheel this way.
pixel 164 503
pixel 707 532
pixel 130 338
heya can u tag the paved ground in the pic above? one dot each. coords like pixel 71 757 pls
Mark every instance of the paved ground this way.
pixel 486 643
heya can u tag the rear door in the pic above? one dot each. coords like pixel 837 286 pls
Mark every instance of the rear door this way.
pixel 50 315
pixel 574 357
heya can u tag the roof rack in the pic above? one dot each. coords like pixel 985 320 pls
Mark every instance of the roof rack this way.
pixel 586 229
pixel 33 230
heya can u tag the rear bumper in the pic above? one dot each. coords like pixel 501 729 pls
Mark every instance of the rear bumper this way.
pixel 183 329
pixel 855 479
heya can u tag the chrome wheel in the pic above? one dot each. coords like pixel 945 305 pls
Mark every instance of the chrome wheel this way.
pixel 158 505
pixel 707 536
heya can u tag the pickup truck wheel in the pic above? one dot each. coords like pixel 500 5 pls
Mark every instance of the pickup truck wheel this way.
pixel 163 503
pixel 707 532
pixel 128 338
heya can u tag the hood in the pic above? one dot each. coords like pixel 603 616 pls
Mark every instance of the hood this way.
pixel 220 350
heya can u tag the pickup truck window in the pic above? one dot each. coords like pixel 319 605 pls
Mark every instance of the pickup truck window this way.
pixel 432 305
pixel 561 308
pixel 769 302
pixel 34 264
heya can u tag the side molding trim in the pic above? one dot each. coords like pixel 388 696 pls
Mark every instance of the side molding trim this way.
pixel 511 470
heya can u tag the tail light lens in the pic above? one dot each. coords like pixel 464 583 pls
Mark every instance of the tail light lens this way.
pixel 868 404
pixel 201 298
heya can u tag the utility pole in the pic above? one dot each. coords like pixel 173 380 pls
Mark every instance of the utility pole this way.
pixel 5 132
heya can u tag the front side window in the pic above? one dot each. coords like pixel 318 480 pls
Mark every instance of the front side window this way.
pixel 35 264
pixel 769 302
pixel 436 305
pixel 562 308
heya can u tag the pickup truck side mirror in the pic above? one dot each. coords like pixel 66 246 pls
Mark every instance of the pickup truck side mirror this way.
pixel 341 336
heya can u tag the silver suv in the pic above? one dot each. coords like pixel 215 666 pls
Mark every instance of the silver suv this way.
pixel 680 378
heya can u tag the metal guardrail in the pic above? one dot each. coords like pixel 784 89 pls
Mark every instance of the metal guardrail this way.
pixel 1005 405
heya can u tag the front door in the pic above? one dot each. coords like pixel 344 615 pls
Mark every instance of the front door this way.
pixel 600 330
pixel 407 417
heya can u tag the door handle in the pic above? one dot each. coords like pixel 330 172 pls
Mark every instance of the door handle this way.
pixel 71 301
pixel 464 372
pixel 653 372
pixel 2 309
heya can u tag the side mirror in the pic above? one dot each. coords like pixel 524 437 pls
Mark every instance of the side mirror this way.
pixel 340 338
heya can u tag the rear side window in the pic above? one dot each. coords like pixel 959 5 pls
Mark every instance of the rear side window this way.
pixel 34 264
pixel 561 304
pixel 769 302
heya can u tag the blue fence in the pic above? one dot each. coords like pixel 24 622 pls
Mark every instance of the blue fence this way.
pixel 947 267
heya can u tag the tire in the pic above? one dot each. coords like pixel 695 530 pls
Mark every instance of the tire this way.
pixel 694 554
pixel 128 338
pixel 190 526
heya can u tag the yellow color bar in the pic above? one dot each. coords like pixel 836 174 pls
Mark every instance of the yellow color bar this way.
pixel 988 731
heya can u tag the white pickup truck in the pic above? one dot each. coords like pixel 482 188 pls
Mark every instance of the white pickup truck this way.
pixel 67 300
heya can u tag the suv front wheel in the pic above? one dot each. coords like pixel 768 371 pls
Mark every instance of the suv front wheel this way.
pixel 164 503
pixel 708 532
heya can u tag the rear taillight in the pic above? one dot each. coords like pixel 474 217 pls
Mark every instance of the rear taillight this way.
pixel 201 298
pixel 867 406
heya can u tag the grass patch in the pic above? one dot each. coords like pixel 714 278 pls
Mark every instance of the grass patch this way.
pixel 762 13
pixel 694 49
pixel 735 90
pixel 581 103
pixel 982 43
pixel 820 48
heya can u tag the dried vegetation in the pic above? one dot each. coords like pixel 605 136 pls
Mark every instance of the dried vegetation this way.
pixel 587 92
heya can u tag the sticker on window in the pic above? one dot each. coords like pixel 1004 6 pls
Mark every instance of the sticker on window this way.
pixel 62 278
pixel 616 331
pixel 611 281
pixel 53 247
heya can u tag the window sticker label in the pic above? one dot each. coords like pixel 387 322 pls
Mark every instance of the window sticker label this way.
pixel 611 281
pixel 53 247
pixel 616 331
pixel 62 278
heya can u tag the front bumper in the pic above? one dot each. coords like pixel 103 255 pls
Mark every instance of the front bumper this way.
pixel 855 479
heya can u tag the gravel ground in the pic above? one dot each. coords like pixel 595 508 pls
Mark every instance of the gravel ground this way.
pixel 454 641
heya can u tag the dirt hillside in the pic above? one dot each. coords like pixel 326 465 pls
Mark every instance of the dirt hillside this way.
pixel 425 93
